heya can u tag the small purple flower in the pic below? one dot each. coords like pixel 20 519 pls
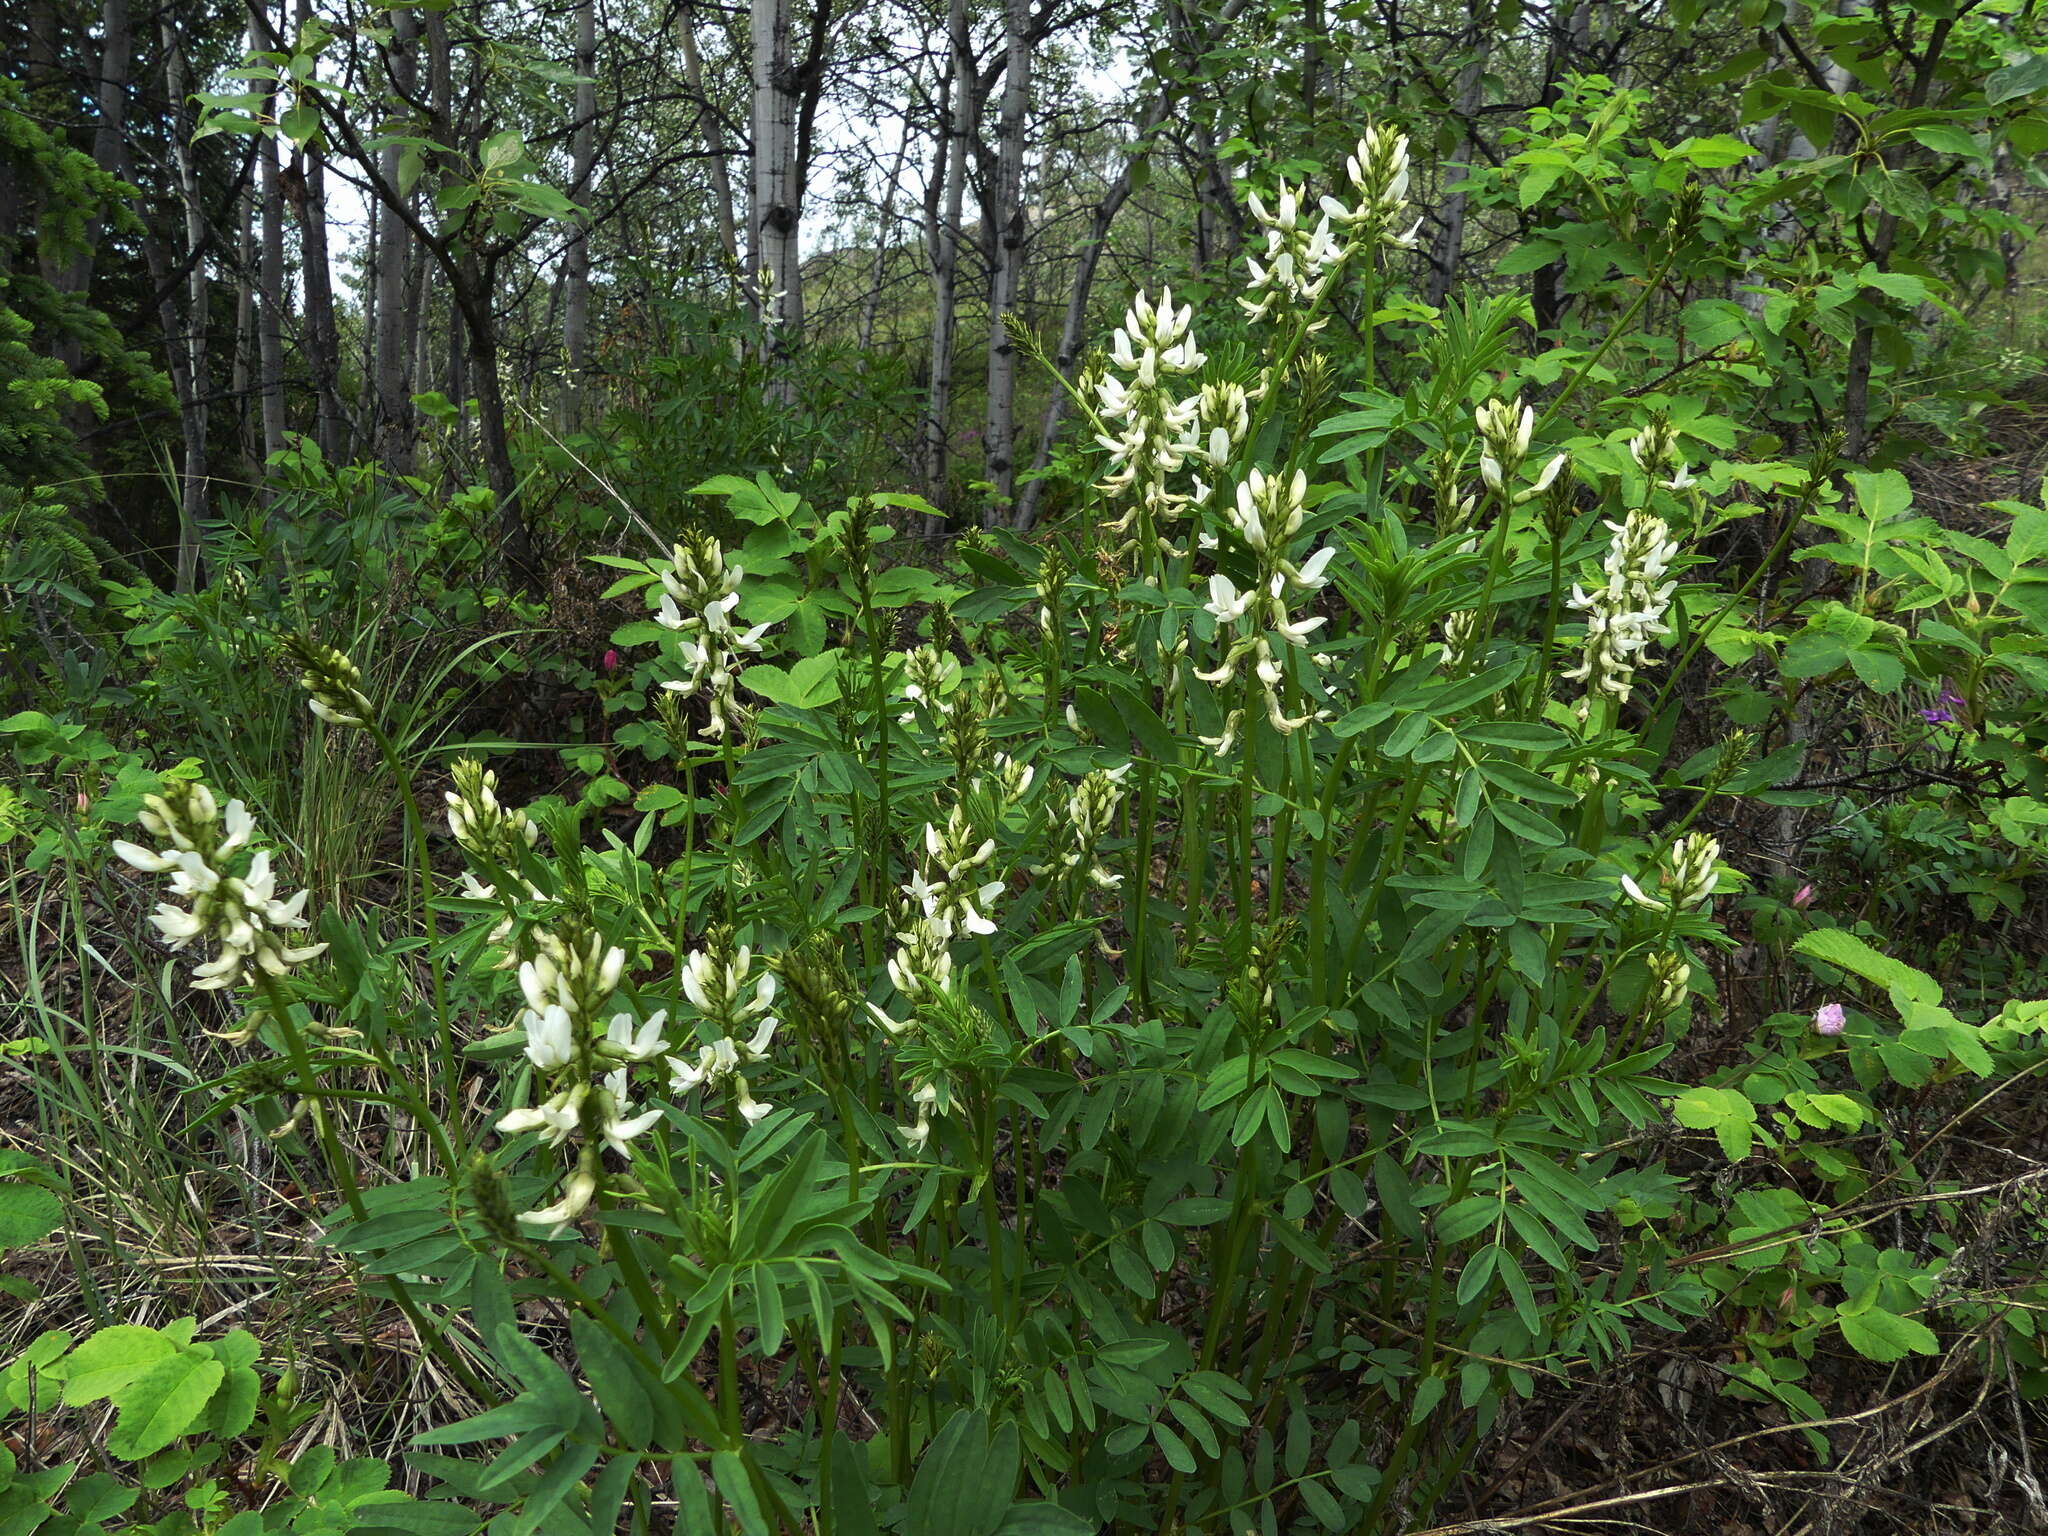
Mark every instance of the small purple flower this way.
pixel 1802 898
pixel 1943 711
pixel 1828 1019
pixel 611 661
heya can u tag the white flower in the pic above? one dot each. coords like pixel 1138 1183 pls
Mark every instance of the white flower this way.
pixel 641 1043
pixel 1225 601
pixel 550 1038
pixel 576 1197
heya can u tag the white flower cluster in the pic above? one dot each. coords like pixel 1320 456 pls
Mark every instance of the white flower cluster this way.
pixel 333 684
pixel 1147 432
pixel 926 1096
pixel 1687 882
pixel 951 902
pixel 944 900
pixel 1378 171
pixel 1655 451
pixel 1266 515
pixel 699 593
pixel 1463 640
pixel 1091 812
pixel 1301 258
pixel 720 984
pixel 1626 612
pixel 565 985
pixel 199 849
pixel 1670 982
pixel 479 822
pixel 927 673
pixel 1505 428
pixel 1223 420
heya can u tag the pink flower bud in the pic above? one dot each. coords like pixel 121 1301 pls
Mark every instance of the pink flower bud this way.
pixel 1828 1019
pixel 611 661
pixel 1802 898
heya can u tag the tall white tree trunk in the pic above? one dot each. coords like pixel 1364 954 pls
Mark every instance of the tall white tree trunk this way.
pixel 716 161
pixel 777 201
pixel 1004 217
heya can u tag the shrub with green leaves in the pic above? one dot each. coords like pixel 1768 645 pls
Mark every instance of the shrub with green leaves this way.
pixel 1169 1028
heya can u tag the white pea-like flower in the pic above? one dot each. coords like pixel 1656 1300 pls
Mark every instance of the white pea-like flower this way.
pixel 1689 879
pixel 1626 612
pixel 240 912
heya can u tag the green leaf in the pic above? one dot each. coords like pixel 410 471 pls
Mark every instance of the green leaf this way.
pixel 848 1498
pixel 1884 1337
pixel 1840 948
pixel 110 1360
pixel 2022 79
pixel 959 1489
pixel 163 1403
pixel 1035 1518
pixel 1728 1114
pixel 730 1473
pixel 807 684
pixel 27 1215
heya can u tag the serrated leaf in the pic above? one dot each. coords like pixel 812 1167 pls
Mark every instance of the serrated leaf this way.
pixel 163 1403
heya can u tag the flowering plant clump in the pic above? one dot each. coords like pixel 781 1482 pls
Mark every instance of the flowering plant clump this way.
pixel 1030 1025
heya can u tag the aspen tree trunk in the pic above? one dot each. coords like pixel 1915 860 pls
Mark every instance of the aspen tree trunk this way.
pixel 772 222
pixel 945 244
pixel 395 430
pixel 576 262
pixel 714 135
pixel 187 334
pixel 1005 219
pixel 270 307
pixel 1449 247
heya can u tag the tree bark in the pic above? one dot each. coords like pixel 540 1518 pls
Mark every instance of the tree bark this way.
pixel 576 261
pixel 714 135
pixel 186 335
pixel 956 123
pixel 776 201
pixel 110 98
pixel 1004 217
pixel 395 423
pixel 242 364
pixel 1448 249
pixel 271 298
pixel 307 187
